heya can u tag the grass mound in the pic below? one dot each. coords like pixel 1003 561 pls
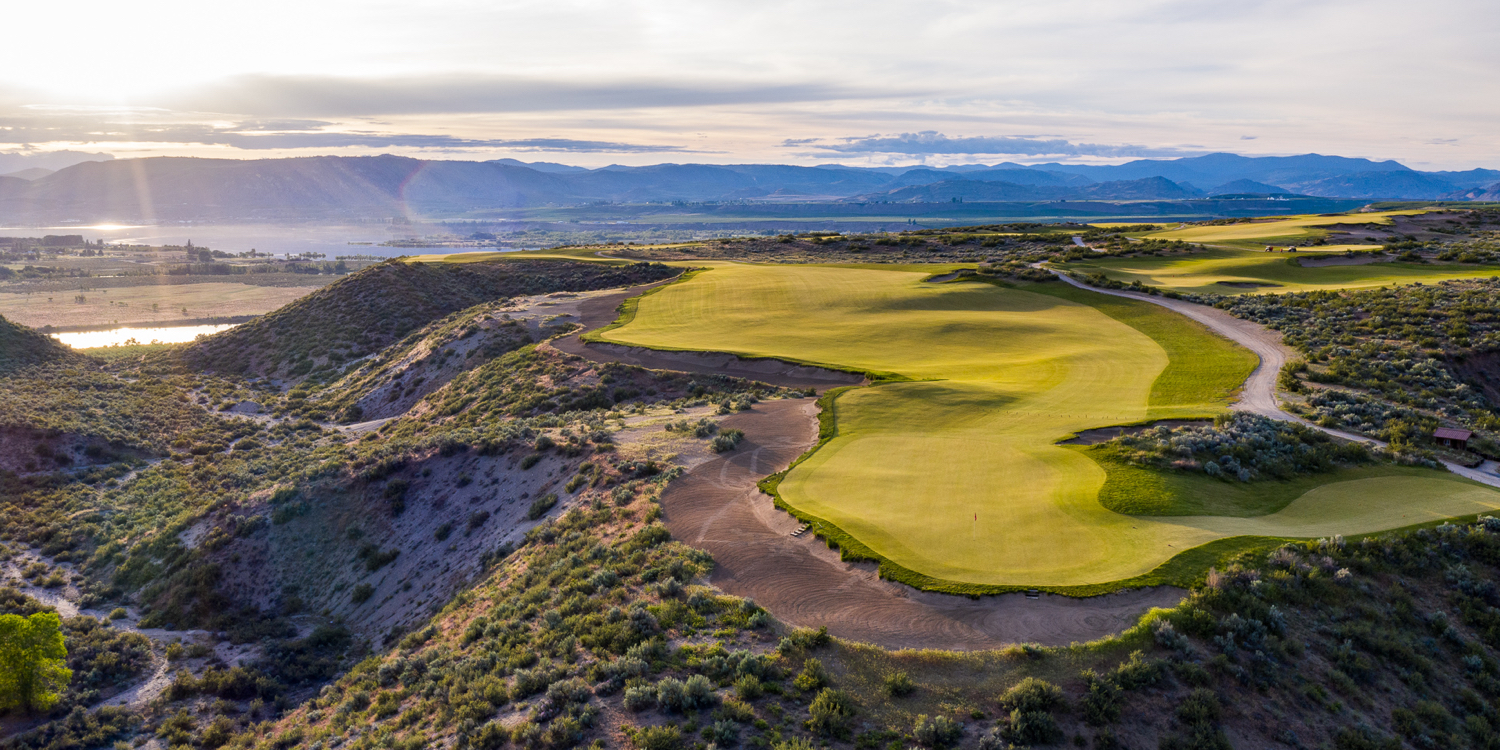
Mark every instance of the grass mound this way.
pixel 372 309
pixel 22 347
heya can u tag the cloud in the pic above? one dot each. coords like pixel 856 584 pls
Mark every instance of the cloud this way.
pixel 328 96
pixel 933 143
pixel 284 134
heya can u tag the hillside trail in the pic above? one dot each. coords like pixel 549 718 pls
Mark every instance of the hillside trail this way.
pixel 717 507
pixel 1258 395
pixel 159 675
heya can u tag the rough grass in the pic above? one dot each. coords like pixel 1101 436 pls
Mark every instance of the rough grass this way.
pixel 952 478
pixel 22 347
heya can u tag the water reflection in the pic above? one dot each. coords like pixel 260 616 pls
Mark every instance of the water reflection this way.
pixel 132 336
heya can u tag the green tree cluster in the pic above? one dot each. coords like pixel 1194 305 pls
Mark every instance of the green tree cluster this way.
pixel 33 660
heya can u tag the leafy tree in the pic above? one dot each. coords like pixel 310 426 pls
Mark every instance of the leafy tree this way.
pixel 32 661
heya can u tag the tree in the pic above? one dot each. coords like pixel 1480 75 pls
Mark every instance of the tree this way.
pixel 33 661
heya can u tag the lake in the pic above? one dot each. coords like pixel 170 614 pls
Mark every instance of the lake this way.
pixel 266 238
pixel 119 336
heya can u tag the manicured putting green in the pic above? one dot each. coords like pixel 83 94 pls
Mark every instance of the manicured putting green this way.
pixel 956 474
pixel 1227 271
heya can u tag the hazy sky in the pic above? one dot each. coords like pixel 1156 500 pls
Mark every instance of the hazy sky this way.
pixel 646 81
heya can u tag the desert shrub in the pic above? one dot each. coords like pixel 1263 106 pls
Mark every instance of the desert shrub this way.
pixel 726 440
pixel 540 506
pixel 656 738
pixel 491 736
pixel 831 713
pixel 1138 672
pixel 722 733
pixel 530 460
pixel 362 593
pixel 671 693
pixel 639 697
pixel 747 687
pixel 1200 707
pixel 936 731
pixel 812 676
pixel 1032 694
pixel 1032 728
pixel 1101 700
pixel 899 684
pixel 442 532
pixel 698 693
pixel 1241 446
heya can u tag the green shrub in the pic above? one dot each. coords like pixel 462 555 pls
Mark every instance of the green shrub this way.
pixel 747 687
pixel 899 684
pixel 936 732
pixel 443 532
pixel 1101 700
pixel 1032 728
pixel 1200 707
pixel 812 676
pixel 1032 694
pixel 657 738
pixel 831 713
pixel 362 593
pixel 540 506
pixel 1138 672
pixel 639 697
pixel 530 461
pixel 726 440
pixel 491 736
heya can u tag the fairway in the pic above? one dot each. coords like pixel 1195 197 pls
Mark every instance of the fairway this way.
pixel 1256 271
pixel 955 473
pixel 1277 231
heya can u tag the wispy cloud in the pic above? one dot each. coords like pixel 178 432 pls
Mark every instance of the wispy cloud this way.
pixel 282 134
pixel 932 143
pixel 328 96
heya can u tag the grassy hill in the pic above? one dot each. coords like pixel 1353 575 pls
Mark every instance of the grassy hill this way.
pixel 23 347
pixel 370 310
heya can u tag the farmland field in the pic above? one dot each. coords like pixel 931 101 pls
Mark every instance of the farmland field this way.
pixel 133 305
pixel 954 472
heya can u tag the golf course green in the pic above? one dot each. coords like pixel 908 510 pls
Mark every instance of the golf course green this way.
pixel 1235 261
pixel 1223 270
pixel 950 467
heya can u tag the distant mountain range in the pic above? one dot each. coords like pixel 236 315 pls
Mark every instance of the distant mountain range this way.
pixel 338 188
